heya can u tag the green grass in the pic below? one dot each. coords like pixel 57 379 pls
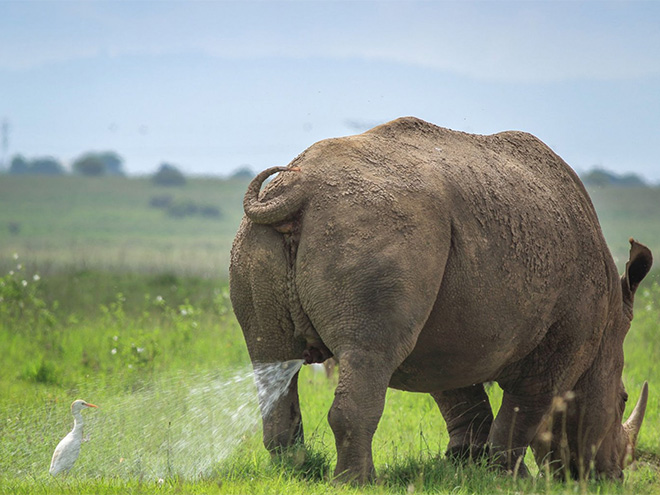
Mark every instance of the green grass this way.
pixel 77 223
pixel 154 363
pixel 130 311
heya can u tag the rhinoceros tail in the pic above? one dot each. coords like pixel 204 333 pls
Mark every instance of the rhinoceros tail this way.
pixel 277 209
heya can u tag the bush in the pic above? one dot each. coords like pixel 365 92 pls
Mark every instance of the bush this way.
pixel 182 209
pixel 96 164
pixel 39 166
pixel 243 173
pixel 168 175
pixel 89 165
pixel 161 201
pixel 210 211
pixel 599 177
pixel 19 165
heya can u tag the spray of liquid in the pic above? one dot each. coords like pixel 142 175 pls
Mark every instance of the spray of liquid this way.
pixel 273 381
pixel 186 425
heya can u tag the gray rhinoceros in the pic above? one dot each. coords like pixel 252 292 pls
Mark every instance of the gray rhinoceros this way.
pixel 432 260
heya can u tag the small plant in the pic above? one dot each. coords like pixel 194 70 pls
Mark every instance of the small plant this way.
pixel 21 306
pixel 41 371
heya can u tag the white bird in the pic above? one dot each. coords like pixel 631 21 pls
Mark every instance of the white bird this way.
pixel 66 452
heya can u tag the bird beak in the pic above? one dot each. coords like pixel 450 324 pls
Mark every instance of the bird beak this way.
pixel 90 405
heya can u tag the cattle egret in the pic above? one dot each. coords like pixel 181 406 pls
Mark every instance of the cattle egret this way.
pixel 66 452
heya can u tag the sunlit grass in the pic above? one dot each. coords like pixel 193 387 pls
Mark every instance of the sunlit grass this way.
pixel 130 311
pixel 168 370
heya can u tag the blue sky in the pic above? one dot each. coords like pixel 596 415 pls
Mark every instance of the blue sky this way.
pixel 211 86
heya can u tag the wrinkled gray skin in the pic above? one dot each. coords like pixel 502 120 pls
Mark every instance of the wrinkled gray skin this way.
pixel 433 261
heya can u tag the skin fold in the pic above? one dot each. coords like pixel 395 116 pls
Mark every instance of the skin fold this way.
pixel 434 261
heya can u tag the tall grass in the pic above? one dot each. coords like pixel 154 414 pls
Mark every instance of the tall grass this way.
pixel 164 358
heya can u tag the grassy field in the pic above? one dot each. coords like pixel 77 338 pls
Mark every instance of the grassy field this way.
pixel 116 302
pixel 70 222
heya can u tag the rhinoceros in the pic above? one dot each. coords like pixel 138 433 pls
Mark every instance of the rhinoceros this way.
pixel 432 260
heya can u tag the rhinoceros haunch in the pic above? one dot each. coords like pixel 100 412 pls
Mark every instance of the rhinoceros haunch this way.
pixel 432 260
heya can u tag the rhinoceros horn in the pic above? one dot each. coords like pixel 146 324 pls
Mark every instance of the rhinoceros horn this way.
pixel 634 421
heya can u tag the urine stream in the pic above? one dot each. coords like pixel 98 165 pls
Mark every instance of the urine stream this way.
pixel 185 425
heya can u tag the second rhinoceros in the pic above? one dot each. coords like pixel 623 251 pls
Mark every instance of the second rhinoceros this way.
pixel 432 260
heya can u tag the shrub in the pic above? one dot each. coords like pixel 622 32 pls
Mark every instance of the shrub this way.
pixel 19 165
pixel 210 211
pixel 39 166
pixel 96 164
pixel 168 175
pixel 243 173
pixel 182 209
pixel 89 165
pixel 161 201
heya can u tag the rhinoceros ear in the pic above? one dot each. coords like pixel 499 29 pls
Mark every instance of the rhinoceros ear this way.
pixel 637 267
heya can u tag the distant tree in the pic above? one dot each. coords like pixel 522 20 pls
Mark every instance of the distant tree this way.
pixel 89 165
pixel 600 177
pixel 95 164
pixel 168 175
pixel 46 166
pixel 631 180
pixel 113 163
pixel 243 173
pixel 19 165
pixel 41 166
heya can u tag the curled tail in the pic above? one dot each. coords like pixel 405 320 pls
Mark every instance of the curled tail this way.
pixel 276 209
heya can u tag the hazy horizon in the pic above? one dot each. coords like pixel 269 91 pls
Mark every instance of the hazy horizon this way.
pixel 215 86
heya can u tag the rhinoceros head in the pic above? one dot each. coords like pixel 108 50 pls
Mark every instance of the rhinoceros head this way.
pixel 584 434
pixel 618 447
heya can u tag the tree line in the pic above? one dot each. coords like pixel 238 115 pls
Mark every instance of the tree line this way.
pixel 106 163
pixel 92 164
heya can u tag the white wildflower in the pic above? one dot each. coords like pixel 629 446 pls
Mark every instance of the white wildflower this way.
pixel 159 298
pixel 15 256
pixel 115 338
pixel 36 277
pixel 19 267
pixel 184 312
pixel 113 351
pixel 24 283
pixel 140 349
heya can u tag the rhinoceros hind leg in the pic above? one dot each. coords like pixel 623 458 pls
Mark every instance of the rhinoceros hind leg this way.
pixel 469 418
pixel 356 411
